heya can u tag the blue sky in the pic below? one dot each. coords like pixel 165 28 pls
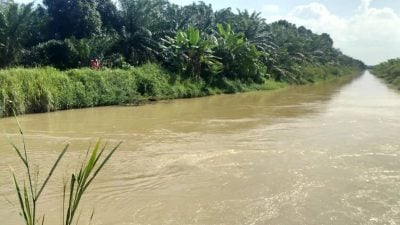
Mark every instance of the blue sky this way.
pixel 365 29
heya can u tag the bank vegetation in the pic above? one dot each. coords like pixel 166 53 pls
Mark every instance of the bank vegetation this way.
pixel 389 71
pixel 150 50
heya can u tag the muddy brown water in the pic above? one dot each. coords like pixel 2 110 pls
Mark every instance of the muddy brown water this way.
pixel 318 154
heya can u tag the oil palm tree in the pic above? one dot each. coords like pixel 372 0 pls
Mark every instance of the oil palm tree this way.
pixel 143 25
pixel 241 59
pixel 14 31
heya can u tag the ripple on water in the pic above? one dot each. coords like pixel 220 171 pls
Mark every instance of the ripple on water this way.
pixel 305 156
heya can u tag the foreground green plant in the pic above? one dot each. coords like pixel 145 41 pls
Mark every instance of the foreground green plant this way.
pixel 31 190
pixel 28 193
pixel 80 181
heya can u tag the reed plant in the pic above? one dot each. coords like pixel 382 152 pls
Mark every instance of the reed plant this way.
pixel 30 190
pixel 80 181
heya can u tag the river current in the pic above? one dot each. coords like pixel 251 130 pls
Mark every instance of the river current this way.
pixel 315 154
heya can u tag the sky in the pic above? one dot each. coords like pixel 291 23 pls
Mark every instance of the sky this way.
pixel 368 30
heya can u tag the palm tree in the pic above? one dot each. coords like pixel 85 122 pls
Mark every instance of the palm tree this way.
pixel 142 25
pixel 255 29
pixel 199 15
pixel 14 31
pixel 241 59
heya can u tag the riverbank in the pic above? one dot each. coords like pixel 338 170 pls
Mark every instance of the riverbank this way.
pixel 389 71
pixel 47 89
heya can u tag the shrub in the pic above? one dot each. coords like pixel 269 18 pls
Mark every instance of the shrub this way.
pixel 59 54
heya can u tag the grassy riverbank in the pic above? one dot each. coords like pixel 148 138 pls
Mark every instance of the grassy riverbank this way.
pixel 389 71
pixel 48 89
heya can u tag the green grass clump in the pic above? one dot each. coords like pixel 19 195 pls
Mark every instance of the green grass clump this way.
pixel 48 89
pixel 80 181
pixel 389 71
pixel 316 73
pixel 30 191
pixel 37 90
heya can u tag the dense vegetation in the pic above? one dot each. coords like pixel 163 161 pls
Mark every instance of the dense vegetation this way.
pixel 48 89
pixel 389 71
pixel 149 49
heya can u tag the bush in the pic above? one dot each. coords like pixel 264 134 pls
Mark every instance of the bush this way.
pixel 48 89
pixel 56 53
pixel 389 71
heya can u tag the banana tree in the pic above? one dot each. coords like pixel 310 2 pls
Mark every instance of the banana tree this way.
pixel 191 53
pixel 241 59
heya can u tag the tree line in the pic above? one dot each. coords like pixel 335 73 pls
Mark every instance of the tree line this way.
pixel 389 71
pixel 193 41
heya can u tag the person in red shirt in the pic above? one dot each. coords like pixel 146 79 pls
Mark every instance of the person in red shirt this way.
pixel 95 64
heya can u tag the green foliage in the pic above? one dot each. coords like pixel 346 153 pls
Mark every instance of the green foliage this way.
pixel 78 18
pixel 48 89
pixel 30 192
pixel 44 90
pixel 69 53
pixel 86 49
pixel 192 53
pixel 80 181
pixel 254 28
pixel 204 52
pixel 59 54
pixel 110 17
pixel 143 24
pixel 241 59
pixel 14 31
pixel 152 82
pixel 296 47
pixel 389 71
pixel 199 15
pixel 68 34
pixel 314 73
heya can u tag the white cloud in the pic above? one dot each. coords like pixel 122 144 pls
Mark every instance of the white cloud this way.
pixel 371 34
pixel 364 5
pixel 317 17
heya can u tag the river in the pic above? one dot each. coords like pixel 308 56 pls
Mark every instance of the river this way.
pixel 315 154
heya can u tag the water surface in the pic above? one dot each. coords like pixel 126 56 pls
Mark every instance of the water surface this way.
pixel 318 154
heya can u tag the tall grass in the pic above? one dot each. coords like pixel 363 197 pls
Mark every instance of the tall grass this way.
pixel 389 71
pixel 318 73
pixel 81 180
pixel 48 89
pixel 30 191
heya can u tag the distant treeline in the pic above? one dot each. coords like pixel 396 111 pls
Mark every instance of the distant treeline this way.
pixel 194 40
pixel 389 71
